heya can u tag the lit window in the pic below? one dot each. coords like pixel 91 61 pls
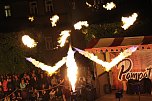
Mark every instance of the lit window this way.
pixel 7 10
pixel 33 7
pixel 48 6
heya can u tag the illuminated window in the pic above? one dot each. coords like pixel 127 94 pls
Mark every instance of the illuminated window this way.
pixel 48 6
pixel 7 10
pixel 33 7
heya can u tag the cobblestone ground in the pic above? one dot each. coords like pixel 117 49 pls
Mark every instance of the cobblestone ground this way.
pixel 111 97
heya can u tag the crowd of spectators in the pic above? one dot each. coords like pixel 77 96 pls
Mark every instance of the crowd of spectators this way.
pixel 37 85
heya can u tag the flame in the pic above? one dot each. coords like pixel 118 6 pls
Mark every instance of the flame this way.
pixel 29 42
pixel 54 20
pixel 72 68
pixel 128 21
pixel 89 5
pixel 31 18
pixel 79 24
pixel 64 35
pixel 47 68
pixel 109 6
pixel 115 61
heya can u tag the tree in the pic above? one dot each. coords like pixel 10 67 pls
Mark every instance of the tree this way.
pixel 103 30
pixel 11 54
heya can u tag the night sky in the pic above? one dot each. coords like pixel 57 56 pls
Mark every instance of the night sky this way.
pixel 143 8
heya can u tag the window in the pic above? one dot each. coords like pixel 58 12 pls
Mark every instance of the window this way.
pixel 7 10
pixel 48 6
pixel 49 43
pixel 96 2
pixel 33 7
pixel 73 4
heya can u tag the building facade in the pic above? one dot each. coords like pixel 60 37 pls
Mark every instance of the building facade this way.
pixel 32 17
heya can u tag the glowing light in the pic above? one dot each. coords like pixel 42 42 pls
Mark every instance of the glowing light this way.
pixel 29 42
pixel 89 5
pixel 31 18
pixel 79 24
pixel 47 68
pixel 121 56
pixel 109 6
pixel 64 35
pixel 128 21
pixel 72 68
pixel 108 65
pixel 54 20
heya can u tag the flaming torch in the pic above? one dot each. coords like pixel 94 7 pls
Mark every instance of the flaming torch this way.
pixel 54 20
pixel 128 21
pixel 72 68
pixel 29 42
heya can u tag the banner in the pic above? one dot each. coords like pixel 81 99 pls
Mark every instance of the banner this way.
pixel 137 66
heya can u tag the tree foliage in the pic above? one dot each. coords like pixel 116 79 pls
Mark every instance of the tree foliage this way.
pixel 103 30
pixel 11 55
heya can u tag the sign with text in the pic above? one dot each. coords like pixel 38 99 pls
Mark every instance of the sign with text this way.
pixel 137 66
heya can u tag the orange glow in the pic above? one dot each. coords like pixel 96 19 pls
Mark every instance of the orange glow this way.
pixel 72 68
pixel 109 6
pixel 47 68
pixel 64 35
pixel 79 25
pixel 29 42
pixel 115 61
pixel 128 21
pixel 54 20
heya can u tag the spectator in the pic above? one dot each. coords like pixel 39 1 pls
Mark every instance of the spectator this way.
pixel 19 97
pixel 34 95
pixel 22 84
pixel 5 87
pixel 1 93
pixel 13 97
pixel 16 82
pixel 54 81
pixel 34 82
pixel 52 94
pixel 30 90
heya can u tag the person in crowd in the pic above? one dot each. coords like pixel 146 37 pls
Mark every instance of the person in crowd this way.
pixel 16 82
pixel 1 93
pixel 52 94
pixel 24 93
pixel 5 87
pixel 34 82
pixel 37 85
pixel 34 95
pixel 13 97
pixel 22 84
pixel 59 93
pixel 66 93
pixel 43 93
pixel 10 85
pixel 54 81
pixel 66 90
pixel 19 97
